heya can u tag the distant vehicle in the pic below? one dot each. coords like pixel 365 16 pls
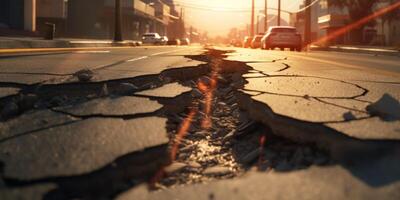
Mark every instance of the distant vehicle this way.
pixel 247 41
pixel 174 42
pixel 164 40
pixel 281 37
pixel 185 41
pixel 256 42
pixel 151 38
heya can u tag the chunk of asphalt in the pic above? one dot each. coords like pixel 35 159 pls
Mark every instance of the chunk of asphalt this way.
pixel 84 75
pixel 194 164
pixel 216 170
pixel 387 108
pixel 174 167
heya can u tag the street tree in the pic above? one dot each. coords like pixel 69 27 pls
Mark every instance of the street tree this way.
pixel 357 9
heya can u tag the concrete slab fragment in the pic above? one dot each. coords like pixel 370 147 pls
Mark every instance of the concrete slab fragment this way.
pixel 125 105
pixel 32 121
pixel 304 109
pixel 348 103
pixel 7 91
pixel 373 128
pixel 301 86
pixel 268 67
pixel 79 147
pixel 35 192
pixel 142 67
pixel 169 90
pixel 329 183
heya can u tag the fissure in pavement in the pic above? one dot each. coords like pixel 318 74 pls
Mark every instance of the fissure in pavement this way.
pixel 215 132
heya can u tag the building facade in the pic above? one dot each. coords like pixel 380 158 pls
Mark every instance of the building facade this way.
pixel 54 12
pixel 298 20
pixel 330 19
pixel 17 16
pixel 138 18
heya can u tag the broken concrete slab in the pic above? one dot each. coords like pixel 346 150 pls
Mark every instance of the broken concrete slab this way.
pixel 127 105
pixel 7 91
pixel 304 109
pixel 35 192
pixel 80 147
pixel 169 90
pixel 32 121
pixel 27 78
pixel 351 104
pixel 302 86
pixel 376 92
pixel 317 182
pixel 144 67
pixel 268 67
pixel 373 128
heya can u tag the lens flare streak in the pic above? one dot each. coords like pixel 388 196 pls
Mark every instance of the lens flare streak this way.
pixel 358 23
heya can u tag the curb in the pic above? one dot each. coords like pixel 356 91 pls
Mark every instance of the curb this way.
pixel 25 44
pixel 386 52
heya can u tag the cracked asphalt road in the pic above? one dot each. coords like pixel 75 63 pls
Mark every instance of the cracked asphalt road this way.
pixel 251 124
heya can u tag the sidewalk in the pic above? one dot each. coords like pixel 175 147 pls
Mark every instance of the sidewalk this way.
pixel 381 50
pixel 32 42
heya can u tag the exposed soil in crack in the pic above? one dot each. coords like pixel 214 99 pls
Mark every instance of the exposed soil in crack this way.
pixel 231 142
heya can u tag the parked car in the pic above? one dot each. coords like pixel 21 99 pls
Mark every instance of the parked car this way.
pixel 247 41
pixel 256 42
pixel 164 40
pixel 185 41
pixel 282 37
pixel 151 38
pixel 174 42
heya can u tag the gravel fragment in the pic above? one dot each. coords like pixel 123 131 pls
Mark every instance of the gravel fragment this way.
pixel 84 75
pixel 174 167
pixel 216 170
pixel 194 164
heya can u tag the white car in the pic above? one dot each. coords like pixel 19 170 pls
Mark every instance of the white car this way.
pixel 282 37
pixel 151 38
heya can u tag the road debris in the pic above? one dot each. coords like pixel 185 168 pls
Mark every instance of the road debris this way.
pixel 84 75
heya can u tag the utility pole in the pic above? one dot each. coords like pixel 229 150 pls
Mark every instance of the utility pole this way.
pixel 252 19
pixel 279 12
pixel 266 17
pixel 258 24
pixel 307 25
pixel 117 25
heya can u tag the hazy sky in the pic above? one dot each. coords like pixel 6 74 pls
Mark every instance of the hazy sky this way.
pixel 218 16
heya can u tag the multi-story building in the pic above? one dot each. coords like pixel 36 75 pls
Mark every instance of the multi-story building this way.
pixel 95 18
pixel 388 26
pixel 330 19
pixel 298 20
pixel 51 11
pixel 17 16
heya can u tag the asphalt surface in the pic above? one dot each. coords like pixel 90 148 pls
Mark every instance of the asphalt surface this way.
pixel 97 123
